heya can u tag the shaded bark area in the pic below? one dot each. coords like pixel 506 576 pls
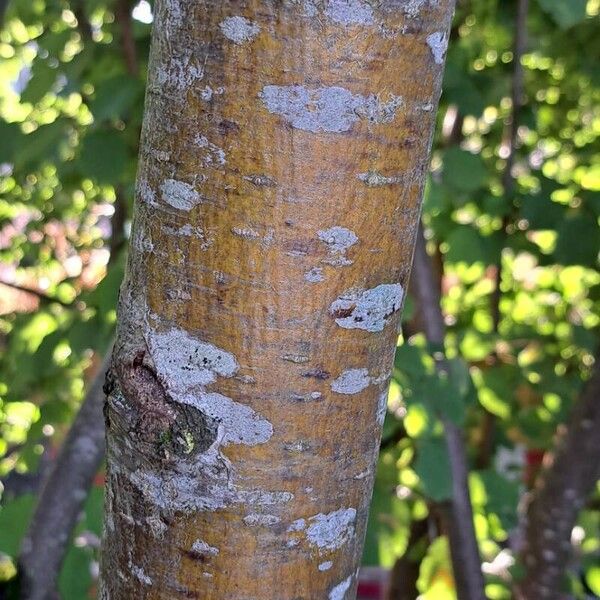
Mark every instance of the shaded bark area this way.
pixel 281 171
pixel 560 493
pixel 62 496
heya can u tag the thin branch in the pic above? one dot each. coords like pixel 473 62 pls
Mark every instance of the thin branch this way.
pixel 508 185
pixel 123 19
pixel 85 29
pixel 466 562
pixel 560 493
pixel 512 128
pixel 43 298
pixel 62 496
pixel 405 572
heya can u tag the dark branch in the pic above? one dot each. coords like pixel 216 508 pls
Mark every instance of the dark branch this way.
pixel 466 562
pixel 123 19
pixel 560 493
pixel 62 496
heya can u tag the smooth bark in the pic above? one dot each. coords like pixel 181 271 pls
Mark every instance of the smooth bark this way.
pixel 283 156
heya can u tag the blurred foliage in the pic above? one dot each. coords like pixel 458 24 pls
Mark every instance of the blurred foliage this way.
pixel 71 100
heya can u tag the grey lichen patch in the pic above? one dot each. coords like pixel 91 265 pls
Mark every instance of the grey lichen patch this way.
pixel 297 447
pixel 246 233
pixel 382 407
pixel 411 8
pixel 340 590
pixel 187 365
pixel 326 109
pixel 367 309
pixel 296 358
pixel 338 240
pixel 186 362
pixel 377 110
pixel 139 574
pixel 260 520
pixel 239 29
pixel 351 381
pixel 207 92
pixel 438 43
pixel 315 275
pixel 261 180
pixel 242 425
pixel 213 155
pixel 375 179
pixel 331 531
pixel 297 525
pixel 309 397
pixel 349 12
pixel 201 548
pixel 179 195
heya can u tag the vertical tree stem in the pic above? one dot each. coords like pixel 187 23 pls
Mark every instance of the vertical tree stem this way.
pixel 282 163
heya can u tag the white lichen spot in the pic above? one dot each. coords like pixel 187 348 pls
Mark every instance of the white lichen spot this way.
pixel 201 547
pixel 325 566
pixel 187 362
pixel 242 424
pixel 207 92
pixel 339 591
pixel 188 365
pixel 257 520
pixel 332 530
pixel 179 194
pixel 375 179
pixel 297 446
pixel 315 275
pixel 360 476
pixel 351 381
pixel 245 233
pixel 349 12
pixel 264 498
pixel 438 43
pixel 377 110
pixel 411 8
pixel 367 309
pixel 139 574
pixel 213 155
pixel 297 525
pixel 326 109
pixel 338 240
pixel 239 29
pixel 382 407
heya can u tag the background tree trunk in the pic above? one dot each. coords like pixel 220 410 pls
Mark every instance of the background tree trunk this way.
pixel 283 157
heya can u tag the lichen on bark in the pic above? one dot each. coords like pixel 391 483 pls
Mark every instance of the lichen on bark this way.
pixel 274 226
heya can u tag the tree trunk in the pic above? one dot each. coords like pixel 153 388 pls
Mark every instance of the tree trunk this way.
pixel 283 155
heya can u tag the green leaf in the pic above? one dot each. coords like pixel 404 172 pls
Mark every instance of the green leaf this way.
pixel 578 240
pixel 465 244
pixel 14 519
pixel 433 468
pixel 42 79
pixel 115 97
pixel 565 13
pixel 103 156
pixel 435 575
pixel 464 171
